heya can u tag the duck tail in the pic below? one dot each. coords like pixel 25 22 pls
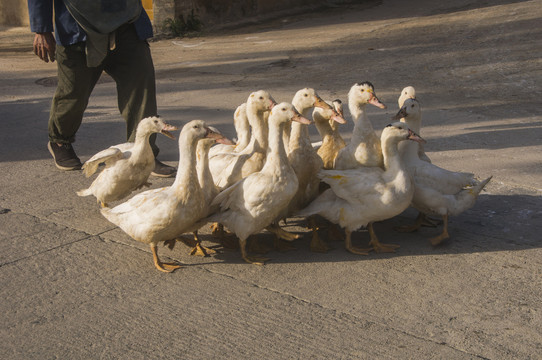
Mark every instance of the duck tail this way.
pixel 466 198
pixel 84 192
pixel 480 186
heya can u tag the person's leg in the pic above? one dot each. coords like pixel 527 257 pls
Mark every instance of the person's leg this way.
pixel 75 84
pixel 130 64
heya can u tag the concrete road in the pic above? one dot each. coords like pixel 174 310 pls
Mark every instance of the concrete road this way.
pixel 73 286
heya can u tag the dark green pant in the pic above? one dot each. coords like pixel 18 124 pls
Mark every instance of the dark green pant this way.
pixel 129 64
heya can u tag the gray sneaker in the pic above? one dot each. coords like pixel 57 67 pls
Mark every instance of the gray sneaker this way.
pixel 64 156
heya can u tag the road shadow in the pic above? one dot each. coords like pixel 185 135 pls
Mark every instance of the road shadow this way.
pixel 496 223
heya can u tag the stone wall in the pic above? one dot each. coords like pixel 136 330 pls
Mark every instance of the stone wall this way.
pixel 216 14
pixel 212 13
pixel 14 13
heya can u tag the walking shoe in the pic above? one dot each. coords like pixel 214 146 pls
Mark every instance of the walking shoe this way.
pixel 64 156
pixel 163 170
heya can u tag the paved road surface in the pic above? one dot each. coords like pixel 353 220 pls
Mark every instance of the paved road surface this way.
pixel 73 286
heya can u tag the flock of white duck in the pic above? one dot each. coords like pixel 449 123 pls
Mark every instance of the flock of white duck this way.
pixel 273 172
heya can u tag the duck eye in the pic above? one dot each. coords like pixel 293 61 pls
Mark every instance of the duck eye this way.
pixel 283 109
pixel 261 97
pixel 156 121
pixel 196 126
pixel 306 95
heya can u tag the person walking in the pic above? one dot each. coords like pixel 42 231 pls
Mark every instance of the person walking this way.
pixel 91 37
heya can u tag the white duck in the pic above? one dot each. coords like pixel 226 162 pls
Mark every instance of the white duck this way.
pixel 358 197
pixel 210 190
pixel 407 93
pixel 127 165
pixel 242 129
pixel 228 168
pixel 256 201
pixel 410 93
pixel 302 156
pixel 327 123
pixel 438 191
pixel 163 214
pixel 364 147
pixel 304 159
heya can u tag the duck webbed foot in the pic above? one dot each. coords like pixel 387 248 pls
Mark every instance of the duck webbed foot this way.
pixel 228 240
pixel 281 233
pixel 164 267
pixel 444 235
pixel 352 249
pixel 256 260
pixel 171 243
pixel 411 228
pixel 377 245
pixel 217 230
pixel 317 244
pixel 200 250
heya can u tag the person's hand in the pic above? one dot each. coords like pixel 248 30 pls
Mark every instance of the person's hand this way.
pixel 45 46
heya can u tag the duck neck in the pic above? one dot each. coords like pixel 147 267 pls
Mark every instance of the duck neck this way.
pixel 242 127
pixel 258 122
pixel 324 128
pixel 186 170
pixel 204 172
pixel 298 136
pixel 276 153
pixel 414 122
pixel 392 160
pixel 410 149
pixel 362 125
pixel 141 144
pixel 243 138
pixel 299 133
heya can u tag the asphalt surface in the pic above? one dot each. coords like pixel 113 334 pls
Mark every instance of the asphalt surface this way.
pixel 73 286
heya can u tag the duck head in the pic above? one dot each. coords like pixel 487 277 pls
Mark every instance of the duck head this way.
pixel 364 93
pixel 197 130
pixel 411 107
pixel 154 124
pixel 261 100
pixel 307 98
pixel 221 139
pixel 407 93
pixel 338 114
pixel 400 131
pixel 284 112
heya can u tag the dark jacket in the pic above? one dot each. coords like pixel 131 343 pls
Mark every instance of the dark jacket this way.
pixel 67 31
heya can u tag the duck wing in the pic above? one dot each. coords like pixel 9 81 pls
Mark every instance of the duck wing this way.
pixel 354 185
pixel 442 180
pixel 108 156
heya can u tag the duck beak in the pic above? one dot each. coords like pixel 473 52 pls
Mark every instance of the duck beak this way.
pixel 300 119
pixel 338 117
pixel 224 140
pixel 415 137
pixel 272 103
pixel 401 114
pixel 321 103
pixel 166 130
pixel 212 134
pixel 376 102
